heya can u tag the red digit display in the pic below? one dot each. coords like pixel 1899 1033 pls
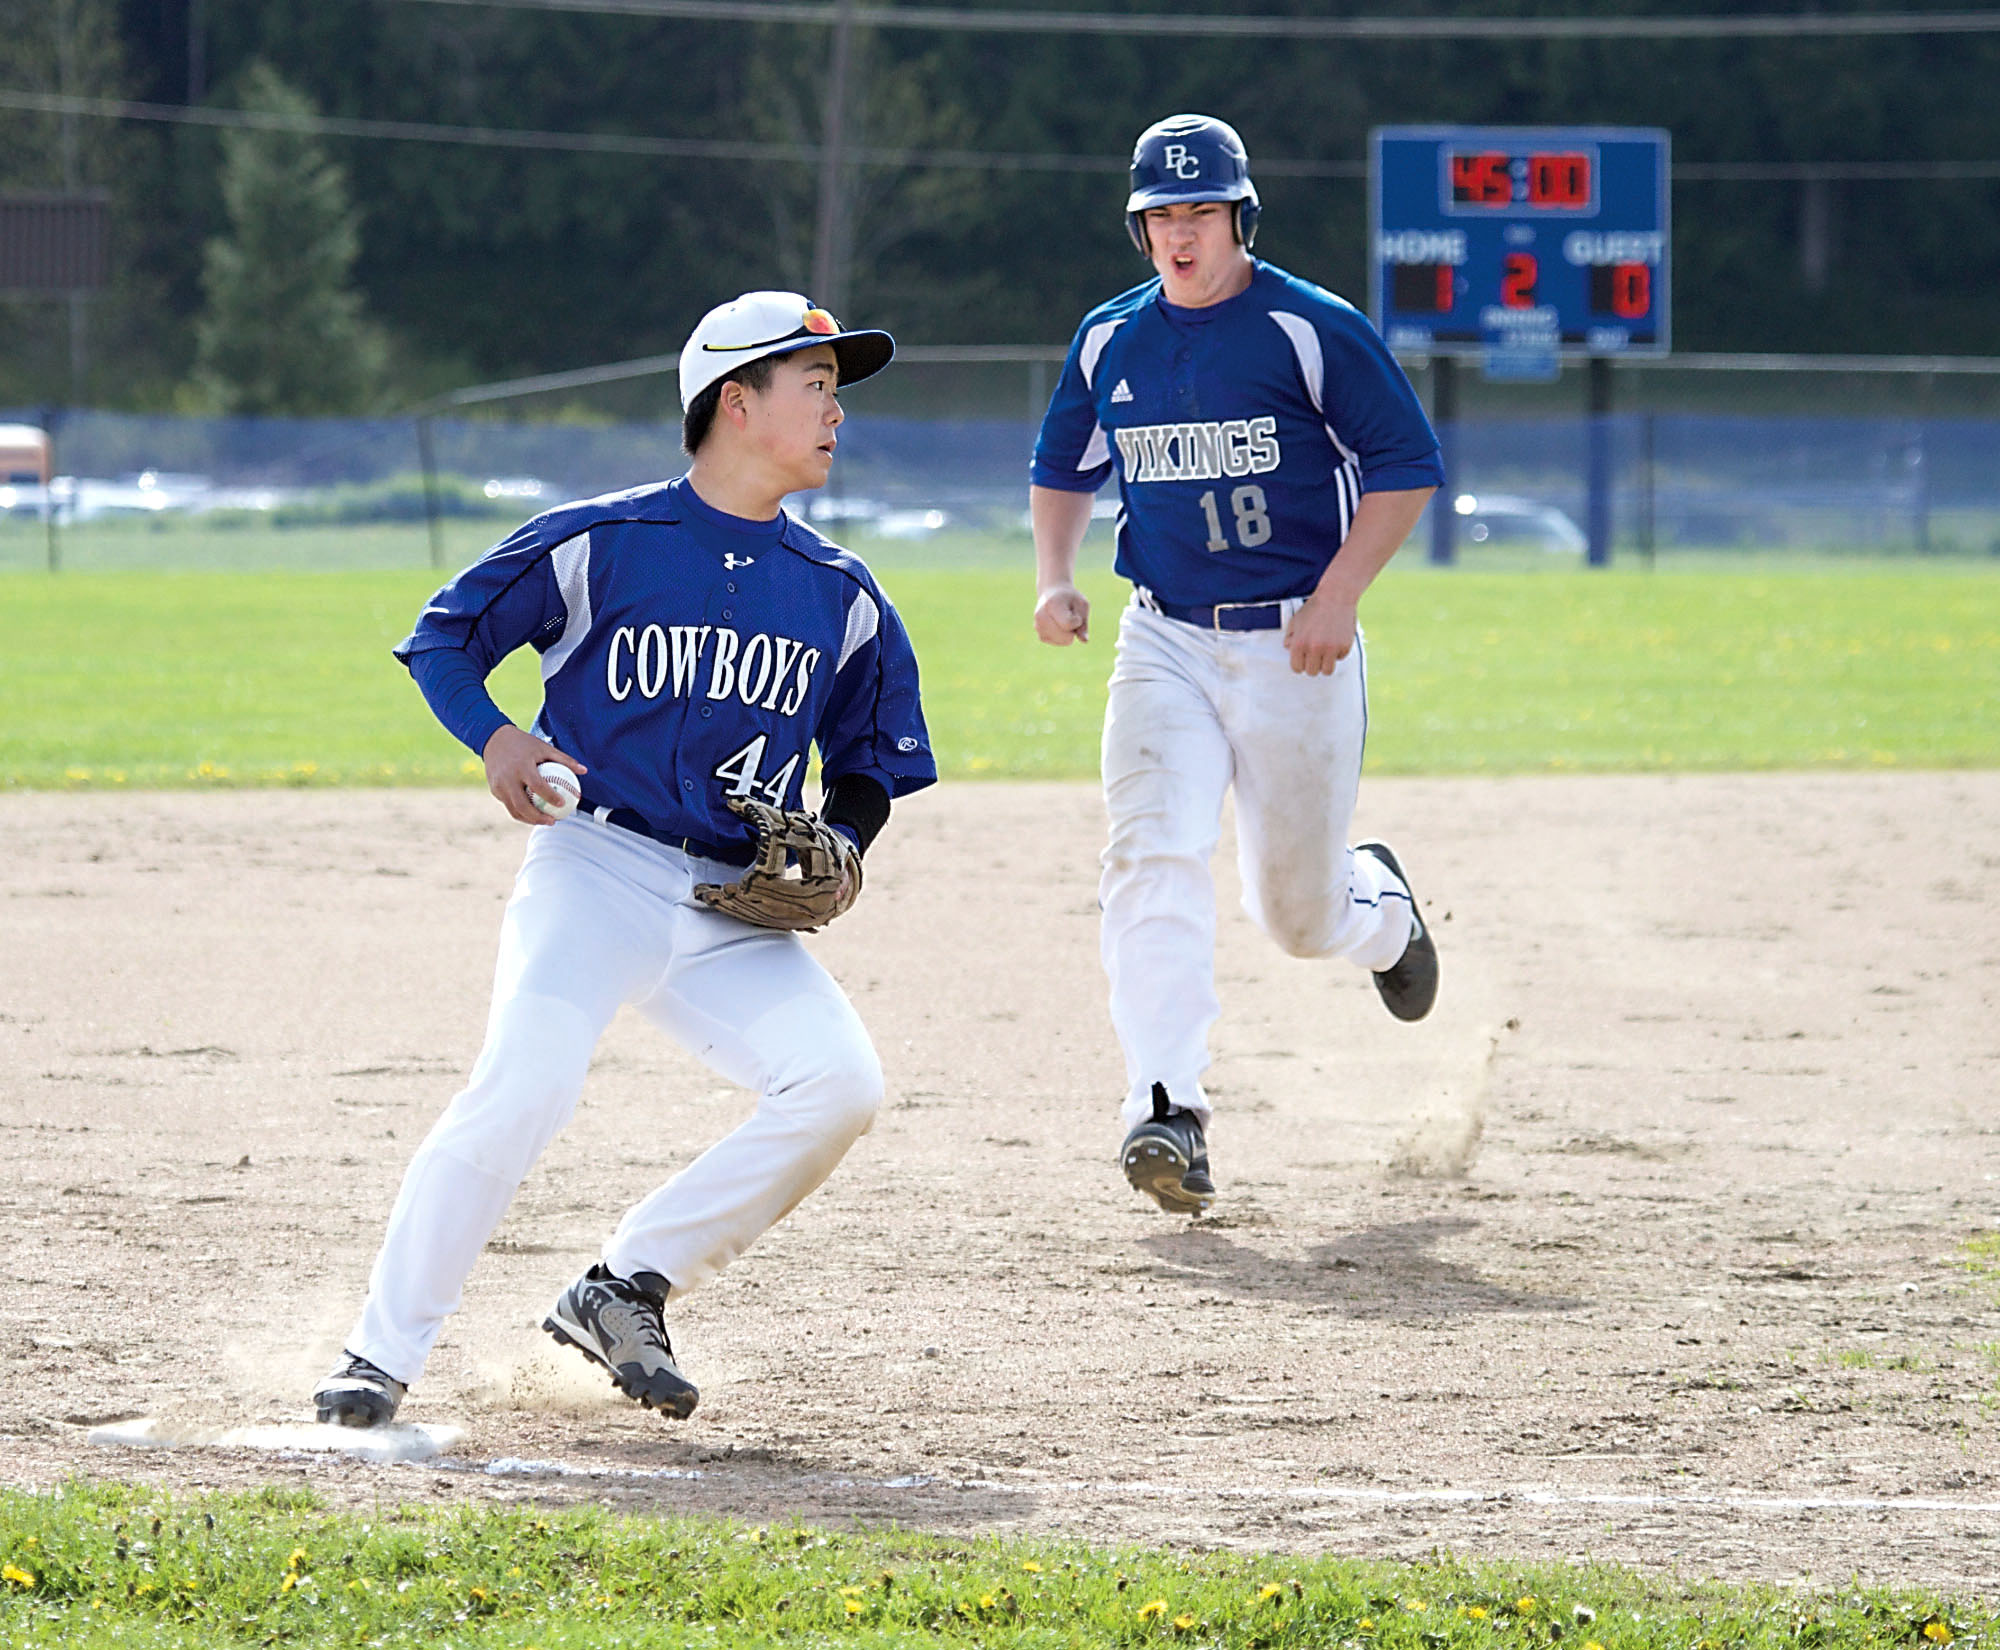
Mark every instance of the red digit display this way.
pixel 1424 288
pixel 1624 290
pixel 1517 280
pixel 1631 290
pixel 1559 180
pixel 1482 179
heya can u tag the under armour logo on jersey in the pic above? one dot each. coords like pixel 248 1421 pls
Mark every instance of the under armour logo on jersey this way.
pixel 1179 162
pixel 732 561
pixel 1122 391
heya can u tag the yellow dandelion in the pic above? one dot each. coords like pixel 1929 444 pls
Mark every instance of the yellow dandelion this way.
pixel 298 1557
pixel 1415 1606
pixel 1182 1623
pixel 1269 1591
pixel 855 1607
pixel 1526 1604
pixel 1367 1626
pixel 1592 1644
pixel 17 1576
pixel 1476 1611
pixel 1153 1609
pixel 478 1595
pixel 850 1592
pixel 1031 1566
pixel 291 1580
pixel 1937 1632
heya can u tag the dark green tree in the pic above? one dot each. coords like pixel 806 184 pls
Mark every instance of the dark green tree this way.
pixel 284 331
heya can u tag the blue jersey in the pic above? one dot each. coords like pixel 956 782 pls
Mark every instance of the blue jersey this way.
pixel 689 656
pixel 1243 434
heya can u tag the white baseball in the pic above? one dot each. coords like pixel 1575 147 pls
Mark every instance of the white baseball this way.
pixel 563 780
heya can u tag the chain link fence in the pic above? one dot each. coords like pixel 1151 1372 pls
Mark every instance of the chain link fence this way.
pixel 936 453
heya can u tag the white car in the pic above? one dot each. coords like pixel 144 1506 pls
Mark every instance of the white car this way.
pixel 1487 518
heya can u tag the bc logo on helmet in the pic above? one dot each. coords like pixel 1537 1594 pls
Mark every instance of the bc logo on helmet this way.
pixel 1178 161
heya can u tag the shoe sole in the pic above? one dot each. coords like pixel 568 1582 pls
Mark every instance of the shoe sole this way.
pixel 679 1403
pixel 1405 1012
pixel 353 1412
pixel 1155 1168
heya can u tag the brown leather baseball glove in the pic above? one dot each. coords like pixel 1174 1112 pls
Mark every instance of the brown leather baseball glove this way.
pixel 805 873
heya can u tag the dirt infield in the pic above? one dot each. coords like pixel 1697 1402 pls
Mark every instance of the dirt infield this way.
pixel 1647 1246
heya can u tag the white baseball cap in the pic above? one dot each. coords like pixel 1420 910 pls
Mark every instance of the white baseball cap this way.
pixel 774 323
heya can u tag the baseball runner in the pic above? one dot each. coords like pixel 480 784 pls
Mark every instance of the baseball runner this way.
pixel 695 640
pixel 1271 457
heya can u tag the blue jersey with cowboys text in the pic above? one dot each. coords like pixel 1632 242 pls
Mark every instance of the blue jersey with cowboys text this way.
pixel 689 656
pixel 1243 435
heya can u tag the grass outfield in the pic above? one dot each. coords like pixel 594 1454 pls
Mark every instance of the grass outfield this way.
pixel 176 679
pixel 105 1565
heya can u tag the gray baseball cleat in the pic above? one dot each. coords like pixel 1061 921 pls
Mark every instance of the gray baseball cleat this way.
pixel 617 1322
pixel 1409 985
pixel 357 1394
pixel 1166 1157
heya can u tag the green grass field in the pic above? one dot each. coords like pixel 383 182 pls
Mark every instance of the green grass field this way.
pixel 108 1565
pixel 260 678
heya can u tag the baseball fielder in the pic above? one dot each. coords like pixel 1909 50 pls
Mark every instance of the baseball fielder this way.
pixel 1271 457
pixel 695 640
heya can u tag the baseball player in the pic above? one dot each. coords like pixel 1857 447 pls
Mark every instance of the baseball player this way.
pixel 1271 457
pixel 695 640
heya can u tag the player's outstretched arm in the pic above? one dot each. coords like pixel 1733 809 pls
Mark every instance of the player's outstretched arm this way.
pixel 1321 633
pixel 511 756
pixel 1060 519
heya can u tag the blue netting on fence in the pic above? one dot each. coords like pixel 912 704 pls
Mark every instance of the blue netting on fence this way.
pixel 1678 480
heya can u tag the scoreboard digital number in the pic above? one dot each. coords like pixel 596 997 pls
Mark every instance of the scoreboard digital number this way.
pixel 1521 240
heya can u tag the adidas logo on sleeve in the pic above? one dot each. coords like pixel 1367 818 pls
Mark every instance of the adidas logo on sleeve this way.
pixel 1121 392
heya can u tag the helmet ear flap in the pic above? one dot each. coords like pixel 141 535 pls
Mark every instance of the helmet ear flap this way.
pixel 1247 213
pixel 1135 226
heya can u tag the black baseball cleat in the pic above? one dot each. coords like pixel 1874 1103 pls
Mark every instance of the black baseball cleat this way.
pixel 618 1323
pixel 357 1394
pixel 1409 986
pixel 1166 1157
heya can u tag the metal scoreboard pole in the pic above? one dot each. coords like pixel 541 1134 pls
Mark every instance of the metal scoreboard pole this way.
pixel 1521 247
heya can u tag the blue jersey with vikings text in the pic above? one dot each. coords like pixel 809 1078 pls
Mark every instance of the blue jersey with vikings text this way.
pixel 689 656
pixel 1243 434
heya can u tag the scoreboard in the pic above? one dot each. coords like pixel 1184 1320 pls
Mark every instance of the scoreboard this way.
pixel 1519 241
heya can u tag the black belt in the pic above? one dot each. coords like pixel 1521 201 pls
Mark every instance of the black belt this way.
pixel 1227 615
pixel 630 819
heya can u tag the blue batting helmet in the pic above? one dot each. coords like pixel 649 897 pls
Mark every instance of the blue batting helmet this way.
pixel 1191 158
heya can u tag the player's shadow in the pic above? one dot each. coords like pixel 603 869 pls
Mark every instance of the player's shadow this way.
pixel 769 1482
pixel 1389 1271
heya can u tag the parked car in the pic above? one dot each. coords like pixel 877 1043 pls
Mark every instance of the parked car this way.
pixel 1488 518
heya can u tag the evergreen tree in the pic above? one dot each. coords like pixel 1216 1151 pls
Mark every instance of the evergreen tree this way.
pixel 284 331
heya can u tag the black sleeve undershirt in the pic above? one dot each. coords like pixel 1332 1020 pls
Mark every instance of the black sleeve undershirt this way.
pixel 859 803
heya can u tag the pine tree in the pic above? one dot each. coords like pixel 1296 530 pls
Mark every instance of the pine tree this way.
pixel 285 331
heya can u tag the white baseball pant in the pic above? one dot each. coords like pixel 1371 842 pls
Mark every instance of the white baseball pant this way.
pixel 601 917
pixel 1191 713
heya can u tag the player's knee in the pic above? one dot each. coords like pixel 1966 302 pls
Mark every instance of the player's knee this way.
pixel 1298 936
pixel 523 1090
pixel 851 1091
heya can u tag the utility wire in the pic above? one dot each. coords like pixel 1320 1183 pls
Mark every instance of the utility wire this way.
pixel 612 143
pixel 1807 25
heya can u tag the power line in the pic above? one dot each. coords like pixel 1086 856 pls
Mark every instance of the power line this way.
pixel 612 143
pixel 1812 25
pixel 490 137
